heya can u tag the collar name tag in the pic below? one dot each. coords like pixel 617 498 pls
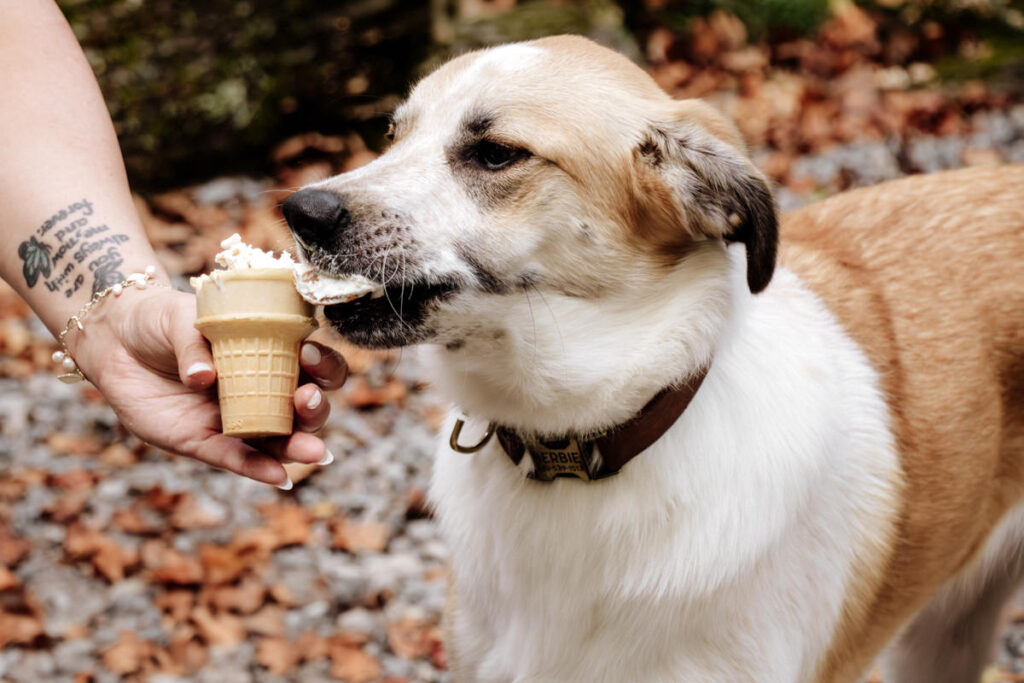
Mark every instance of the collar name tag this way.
pixel 561 458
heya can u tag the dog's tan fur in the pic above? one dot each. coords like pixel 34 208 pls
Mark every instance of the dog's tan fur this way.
pixel 890 261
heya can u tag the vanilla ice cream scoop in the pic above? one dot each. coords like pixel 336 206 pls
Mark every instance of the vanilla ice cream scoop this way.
pixel 319 288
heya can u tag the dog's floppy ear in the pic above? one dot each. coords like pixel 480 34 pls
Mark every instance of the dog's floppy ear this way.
pixel 699 158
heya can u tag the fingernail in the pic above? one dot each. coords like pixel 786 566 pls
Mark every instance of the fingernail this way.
pixel 328 458
pixel 311 354
pixel 287 485
pixel 313 402
pixel 196 368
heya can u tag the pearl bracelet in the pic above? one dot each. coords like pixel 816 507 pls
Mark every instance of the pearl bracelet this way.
pixel 71 372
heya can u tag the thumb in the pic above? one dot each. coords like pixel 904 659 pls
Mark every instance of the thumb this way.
pixel 195 362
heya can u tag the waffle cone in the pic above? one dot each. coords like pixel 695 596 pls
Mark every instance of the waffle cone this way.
pixel 255 322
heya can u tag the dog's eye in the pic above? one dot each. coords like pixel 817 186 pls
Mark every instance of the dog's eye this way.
pixel 494 156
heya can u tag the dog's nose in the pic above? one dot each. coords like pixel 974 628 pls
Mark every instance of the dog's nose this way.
pixel 315 216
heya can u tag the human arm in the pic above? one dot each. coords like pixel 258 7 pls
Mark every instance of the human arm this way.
pixel 71 229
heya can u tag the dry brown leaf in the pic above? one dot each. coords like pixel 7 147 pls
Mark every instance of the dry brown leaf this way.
pixel 74 480
pixel 131 521
pixel 15 336
pixel 67 507
pixel 187 652
pixel 117 455
pixel 224 565
pixel 287 523
pixel 128 655
pixel 268 621
pixel 245 598
pixel 412 639
pixel 358 392
pixel 8 579
pixel 283 595
pixel 175 604
pixel 187 514
pixel 167 565
pixel 13 549
pixel 353 665
pixel 218 629
pixel 20 629
pixel 360 536
pixel 312 646
pixel 81 541
pixel 74 444
pixel 277 655
pixel 76 632
pixel 113 562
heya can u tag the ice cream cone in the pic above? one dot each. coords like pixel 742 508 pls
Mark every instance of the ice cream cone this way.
pixel 255 322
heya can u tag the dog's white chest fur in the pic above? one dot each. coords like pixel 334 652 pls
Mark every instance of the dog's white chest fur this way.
pixel 722 553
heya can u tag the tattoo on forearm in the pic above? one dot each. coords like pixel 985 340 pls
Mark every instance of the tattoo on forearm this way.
pixel 68 249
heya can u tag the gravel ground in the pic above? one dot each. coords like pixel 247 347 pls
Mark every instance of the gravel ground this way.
pixel 383 466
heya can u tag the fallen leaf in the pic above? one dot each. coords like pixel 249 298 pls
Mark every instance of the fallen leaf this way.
pixel 117 455
pixel 74 444
pixel 353 665
pixel 167 565
pixel 131 521
pixel 128 655
pixel 360 536
pixel 20 629
pixel 359 393
pixel 218 629
pixel 288 524
pixel 224 564
pixel 175 604
pixel 268 621
pixel 245 598
pixel 73 480
pixel 67 507
pixel 8 579
pixel 312 646
pixel 412 639
pixel 283 595
pixel 13 549
pixel 188 514
pixel 113 562
pixel 277 655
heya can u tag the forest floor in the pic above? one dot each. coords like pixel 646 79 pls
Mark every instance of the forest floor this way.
pixel 119 562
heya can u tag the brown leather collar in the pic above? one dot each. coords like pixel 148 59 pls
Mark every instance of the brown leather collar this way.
pixel 599 456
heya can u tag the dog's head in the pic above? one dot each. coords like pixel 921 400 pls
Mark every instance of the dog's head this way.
pixel 556 166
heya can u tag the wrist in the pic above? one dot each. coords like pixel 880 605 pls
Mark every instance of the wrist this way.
pixel 94 333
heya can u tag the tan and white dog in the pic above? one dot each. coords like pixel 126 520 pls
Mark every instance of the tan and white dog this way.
pixel 850 474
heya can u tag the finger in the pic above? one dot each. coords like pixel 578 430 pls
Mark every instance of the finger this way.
pixel 299 447
pixel 324 365
pixel 195 362
pixel 311 408
pixel 239 457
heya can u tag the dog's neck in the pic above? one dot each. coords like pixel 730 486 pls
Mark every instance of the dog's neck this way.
pixel 551 364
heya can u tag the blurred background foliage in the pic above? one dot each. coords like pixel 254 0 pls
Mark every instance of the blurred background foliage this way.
pixel 202 88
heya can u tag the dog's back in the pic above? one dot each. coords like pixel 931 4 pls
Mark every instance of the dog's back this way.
pixel 927 275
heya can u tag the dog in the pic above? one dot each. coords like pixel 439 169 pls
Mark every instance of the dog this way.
pixel 818 422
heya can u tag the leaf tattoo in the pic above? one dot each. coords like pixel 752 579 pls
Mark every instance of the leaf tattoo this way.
pixel 36 256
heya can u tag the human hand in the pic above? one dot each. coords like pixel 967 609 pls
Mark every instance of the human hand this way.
pixel 155 369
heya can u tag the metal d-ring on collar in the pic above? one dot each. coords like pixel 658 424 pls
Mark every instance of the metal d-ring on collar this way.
pixel 457 429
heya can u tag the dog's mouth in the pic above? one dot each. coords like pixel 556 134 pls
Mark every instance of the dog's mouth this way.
pixel 395 318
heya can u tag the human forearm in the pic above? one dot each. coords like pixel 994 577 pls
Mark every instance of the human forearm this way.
pixel 68 217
